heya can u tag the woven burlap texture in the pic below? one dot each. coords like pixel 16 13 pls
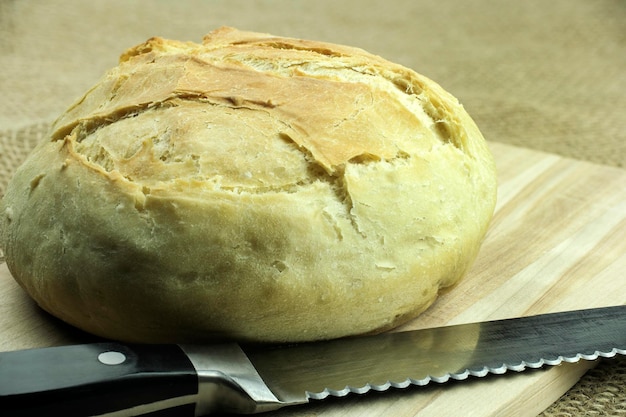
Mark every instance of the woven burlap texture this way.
pixel 543 75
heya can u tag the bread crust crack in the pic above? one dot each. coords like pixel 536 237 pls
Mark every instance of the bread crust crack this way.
pixel 251 187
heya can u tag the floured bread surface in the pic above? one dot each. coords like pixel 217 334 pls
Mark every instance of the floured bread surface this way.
pixel 250 187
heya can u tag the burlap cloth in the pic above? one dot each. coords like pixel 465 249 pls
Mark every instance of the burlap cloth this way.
pixel 548 75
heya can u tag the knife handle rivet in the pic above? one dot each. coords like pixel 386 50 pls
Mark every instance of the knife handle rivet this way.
pixel 112 358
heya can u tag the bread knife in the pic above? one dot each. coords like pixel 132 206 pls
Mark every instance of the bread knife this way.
pixel 117 379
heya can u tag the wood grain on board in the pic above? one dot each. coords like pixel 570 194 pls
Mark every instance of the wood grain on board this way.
pixel 557 242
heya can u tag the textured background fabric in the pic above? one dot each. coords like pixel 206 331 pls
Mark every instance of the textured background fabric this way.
pixel 544 75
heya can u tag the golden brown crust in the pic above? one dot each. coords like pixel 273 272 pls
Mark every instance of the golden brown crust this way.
pixel 249 187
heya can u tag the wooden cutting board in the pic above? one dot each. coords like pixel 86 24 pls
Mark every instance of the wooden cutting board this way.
pixel 557 242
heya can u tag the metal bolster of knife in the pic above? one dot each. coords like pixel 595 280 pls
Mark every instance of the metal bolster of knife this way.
pixel 114 379
pixel 228 381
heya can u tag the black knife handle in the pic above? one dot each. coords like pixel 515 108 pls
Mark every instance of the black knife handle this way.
pixel 96 379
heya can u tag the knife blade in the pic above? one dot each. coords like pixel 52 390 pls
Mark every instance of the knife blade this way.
pixel 116 379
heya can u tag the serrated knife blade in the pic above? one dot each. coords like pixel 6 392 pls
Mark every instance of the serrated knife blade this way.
pixel 114 379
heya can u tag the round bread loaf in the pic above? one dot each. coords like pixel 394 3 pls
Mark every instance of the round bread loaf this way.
pixel 251 187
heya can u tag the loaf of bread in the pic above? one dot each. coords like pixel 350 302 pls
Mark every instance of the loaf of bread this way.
pixel 250 187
